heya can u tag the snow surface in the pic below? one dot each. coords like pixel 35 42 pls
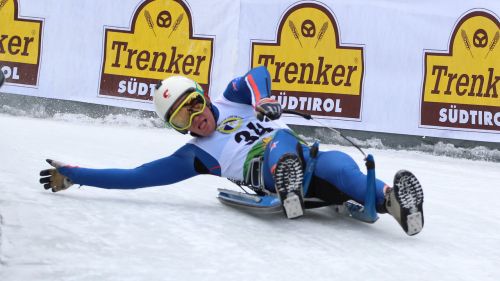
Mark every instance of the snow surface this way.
pixel 182 232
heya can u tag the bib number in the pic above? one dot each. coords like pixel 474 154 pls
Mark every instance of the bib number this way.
pixel 252 135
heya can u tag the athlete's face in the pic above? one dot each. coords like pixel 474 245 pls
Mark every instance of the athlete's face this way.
pixel 203 124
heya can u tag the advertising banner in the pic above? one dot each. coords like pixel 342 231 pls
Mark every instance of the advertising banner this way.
pixel 460 85
pixel 160 43
pixel 20 45
pixel 383 66
pixel 312 72
pixel 426 68
pixel 114 52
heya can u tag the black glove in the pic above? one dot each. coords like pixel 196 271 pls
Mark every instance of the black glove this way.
pixel 52 179
pixel 268 107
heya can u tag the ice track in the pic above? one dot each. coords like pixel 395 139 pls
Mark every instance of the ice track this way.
pixel 182 232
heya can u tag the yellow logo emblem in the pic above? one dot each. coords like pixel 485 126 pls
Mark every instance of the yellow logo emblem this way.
pixel 160 43
pixel 460 87
pixel 230 125
pixel 20 45
pixel 311 70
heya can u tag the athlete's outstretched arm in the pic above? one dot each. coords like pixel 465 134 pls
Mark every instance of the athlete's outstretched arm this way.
pixel 185 163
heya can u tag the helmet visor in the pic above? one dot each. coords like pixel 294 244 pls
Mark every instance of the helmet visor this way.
pixel 190 105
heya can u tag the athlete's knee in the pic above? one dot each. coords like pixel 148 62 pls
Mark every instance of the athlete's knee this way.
pixel 282 143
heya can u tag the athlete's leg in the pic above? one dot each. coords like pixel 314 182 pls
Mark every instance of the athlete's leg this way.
pixel 341 171
pixel 282 161
pixel 283 142
pixel 336 173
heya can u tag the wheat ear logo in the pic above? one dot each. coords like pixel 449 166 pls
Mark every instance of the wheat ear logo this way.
pixel 311 70
pixel 159 43
pixel 20 45
pixel 461 85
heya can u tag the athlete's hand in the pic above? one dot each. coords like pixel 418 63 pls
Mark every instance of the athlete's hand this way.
pixel 268 107
pixel 52 179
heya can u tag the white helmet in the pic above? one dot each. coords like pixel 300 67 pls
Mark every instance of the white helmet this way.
pixel 170 90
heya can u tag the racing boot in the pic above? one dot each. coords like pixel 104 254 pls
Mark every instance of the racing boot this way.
pixel 404 202
pixel 288 177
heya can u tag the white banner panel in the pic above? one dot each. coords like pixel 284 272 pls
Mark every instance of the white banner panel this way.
pixel 144 41
pixel 361 64
pixel 408 67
